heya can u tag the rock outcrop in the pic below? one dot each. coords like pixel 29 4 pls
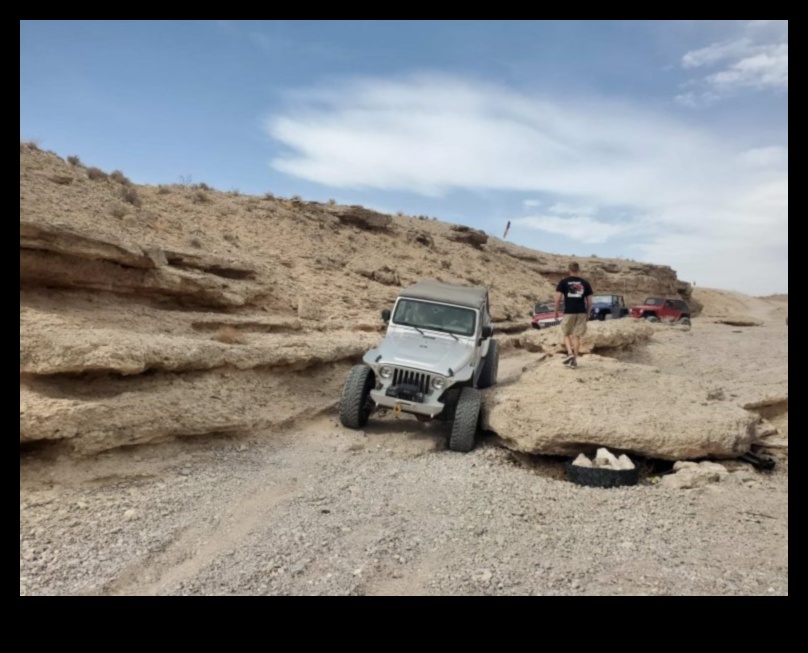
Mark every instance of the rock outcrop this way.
pixel 624 407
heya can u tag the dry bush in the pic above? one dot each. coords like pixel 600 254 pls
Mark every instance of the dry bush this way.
pixel 131 196
pixel 118 210
pixel 74 160
pixel 163 190
pixel 200 197
pixel 269 196
pixel 96 174
pixel 332 202
pixel 195 242
pixel 230 336
pixel 203 186
pixel 117 175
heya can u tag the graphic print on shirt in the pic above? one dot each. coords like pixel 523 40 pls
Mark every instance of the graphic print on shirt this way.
pixel 575 289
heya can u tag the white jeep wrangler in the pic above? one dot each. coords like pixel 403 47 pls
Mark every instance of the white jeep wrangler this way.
pixel 437 353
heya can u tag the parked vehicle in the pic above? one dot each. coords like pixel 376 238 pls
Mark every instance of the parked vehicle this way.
pixel 608 307
pixel 662 309
pixel 544 315
pixel 437 354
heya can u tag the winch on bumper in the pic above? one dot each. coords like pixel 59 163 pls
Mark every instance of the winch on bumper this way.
pixel 410 391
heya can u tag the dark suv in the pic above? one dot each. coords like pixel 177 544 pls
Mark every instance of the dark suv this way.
pixel 662 309
pixel 607 307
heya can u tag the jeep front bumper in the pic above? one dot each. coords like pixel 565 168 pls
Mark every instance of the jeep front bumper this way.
pixel 416 403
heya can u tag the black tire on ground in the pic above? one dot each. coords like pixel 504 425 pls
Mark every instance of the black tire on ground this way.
pixel 601 477
pixel 467 415
pixel 488 376
pixel 652 318
pixel 355 405
pixel 684 320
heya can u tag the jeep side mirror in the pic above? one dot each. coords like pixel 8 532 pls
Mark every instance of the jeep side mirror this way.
pixel 488 331
pixel 386 314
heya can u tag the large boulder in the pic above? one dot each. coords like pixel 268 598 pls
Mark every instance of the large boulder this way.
pixel 636 409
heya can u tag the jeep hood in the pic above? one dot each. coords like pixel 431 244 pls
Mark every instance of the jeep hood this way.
pixel 436 353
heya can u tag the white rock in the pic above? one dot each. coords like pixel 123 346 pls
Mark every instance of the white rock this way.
pixel 582 461
pixel 605 458
pixel 624 462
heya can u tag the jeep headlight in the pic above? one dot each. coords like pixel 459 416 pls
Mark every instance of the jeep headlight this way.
pixel 385 371
pixel 438 382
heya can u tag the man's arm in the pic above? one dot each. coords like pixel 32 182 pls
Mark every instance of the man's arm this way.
pixel 558 297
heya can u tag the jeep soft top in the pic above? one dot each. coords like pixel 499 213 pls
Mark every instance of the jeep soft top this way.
pixel 447 293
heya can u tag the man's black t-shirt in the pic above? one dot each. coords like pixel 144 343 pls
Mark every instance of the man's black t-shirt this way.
pixel 575 291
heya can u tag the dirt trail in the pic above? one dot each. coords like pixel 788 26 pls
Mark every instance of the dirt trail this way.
pixel 319 509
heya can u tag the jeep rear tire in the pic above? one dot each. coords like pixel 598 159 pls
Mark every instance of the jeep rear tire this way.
pixel 684 320
pixel 488 375
pixel 652 318
pixel 355 405
pixel 467 415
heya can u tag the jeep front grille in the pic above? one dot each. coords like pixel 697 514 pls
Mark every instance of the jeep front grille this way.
pixel 410 377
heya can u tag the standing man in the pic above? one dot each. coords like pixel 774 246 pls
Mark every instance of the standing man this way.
pixel 577 295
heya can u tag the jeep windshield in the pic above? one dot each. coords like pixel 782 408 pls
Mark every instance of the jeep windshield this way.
pixel 654 301
pixel 435 317
pixel 603 299
pixel 543 308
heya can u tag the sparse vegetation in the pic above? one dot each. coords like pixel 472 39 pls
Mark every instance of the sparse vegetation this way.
pixel 31 145
pixel 195 242
pixel 186 180
pixel 74 160
pixel 118 210
pixel 163 190
pixel 117 175
pixel 332 202
pixel 230 336
pixel 131 196
pixel 296 199
pixel 203 186
pixel 269 196
pixel 96 174
pixel 200 197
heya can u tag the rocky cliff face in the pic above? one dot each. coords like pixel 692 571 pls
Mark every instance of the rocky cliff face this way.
pixel 156 312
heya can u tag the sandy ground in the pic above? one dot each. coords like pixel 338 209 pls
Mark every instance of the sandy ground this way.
pixel 318 509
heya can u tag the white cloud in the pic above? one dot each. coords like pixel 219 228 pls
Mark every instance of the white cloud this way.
pixel 609 170
pixel 757 60
pixel 563 208
pixel 531 204
pixel 582 229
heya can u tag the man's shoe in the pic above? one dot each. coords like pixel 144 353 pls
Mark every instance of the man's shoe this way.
pixel 573 363
pixel 569 358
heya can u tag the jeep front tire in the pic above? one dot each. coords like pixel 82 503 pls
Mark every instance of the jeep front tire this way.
pixel 488 375
pixel 355 405
pixel 467 415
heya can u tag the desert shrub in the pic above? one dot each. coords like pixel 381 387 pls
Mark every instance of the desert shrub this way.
pixel 74 160
pixel 96 174
pixel 200 197
pixel 131 196
pixel 332 202
pixel 117 210
pixel 117 175
pixel 269 196
pixel 163 190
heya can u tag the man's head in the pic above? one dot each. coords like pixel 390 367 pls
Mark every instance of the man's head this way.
pixel 574 268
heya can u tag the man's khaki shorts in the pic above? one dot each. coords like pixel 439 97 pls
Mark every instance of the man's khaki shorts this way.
pixel 574 324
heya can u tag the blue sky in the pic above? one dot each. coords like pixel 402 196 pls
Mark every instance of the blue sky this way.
pixel 660 141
